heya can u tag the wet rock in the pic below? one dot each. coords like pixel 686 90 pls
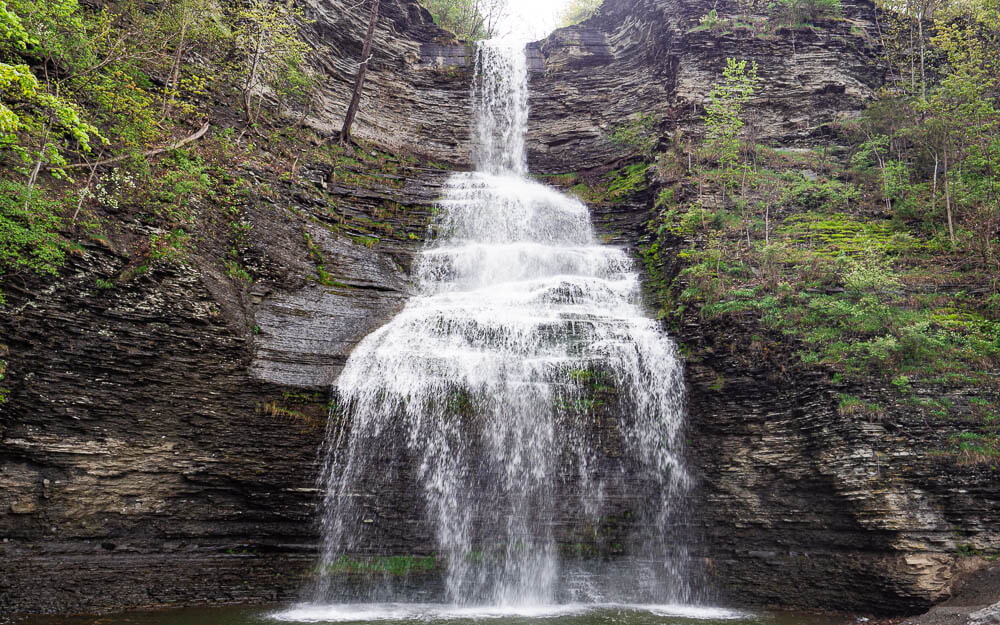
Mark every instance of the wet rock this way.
pixel 989 615
pixel 797 505
pixel 164 431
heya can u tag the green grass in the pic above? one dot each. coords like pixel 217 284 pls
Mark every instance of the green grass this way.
pixel 383 565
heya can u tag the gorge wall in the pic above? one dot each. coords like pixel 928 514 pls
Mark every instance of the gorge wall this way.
pixel 798 503
pixel 158 443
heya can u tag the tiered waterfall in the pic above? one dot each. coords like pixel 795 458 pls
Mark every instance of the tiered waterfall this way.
pixel 485 385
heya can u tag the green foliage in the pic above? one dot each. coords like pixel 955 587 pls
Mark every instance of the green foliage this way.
pixel 794 12
pixel 871 272
pixel 45 125
pixel 815 195
pixel 615 185
pixel 470 20
pixel 384 565
pixel 29 230
pixel 976 447
pixel 322 276
pixel 709 20
pixel 638 135
pixel 185 178
pixel 274 54
pixel 578 11
pixel 173 246
pixel 724 112
pixel 850 405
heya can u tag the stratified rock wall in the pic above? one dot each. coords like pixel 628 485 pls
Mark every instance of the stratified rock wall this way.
pixel 797 504
pixel 651 56
pixel 159 441
pixel 411 96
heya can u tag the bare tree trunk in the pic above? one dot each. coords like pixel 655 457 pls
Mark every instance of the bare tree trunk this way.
pixel 85 191
pixel 923 83
pixel 913 70
pixel 33 177
pixel 252 76
pixel 352 109
pixel 767 222
pixel 168 96
pixel 934 188
pixel 885 48
pixel 947 199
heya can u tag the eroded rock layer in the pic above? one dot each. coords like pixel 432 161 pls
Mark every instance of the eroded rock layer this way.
pixel 159 440
pixel 798 504
pixel 654 57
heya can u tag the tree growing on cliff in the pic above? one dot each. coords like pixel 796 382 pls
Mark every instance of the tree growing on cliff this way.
pixel 37 125
pixel 724 120
pixel 579 10
pixel 469 19
pixel 724 117
pixel 359 81
pixel 274 54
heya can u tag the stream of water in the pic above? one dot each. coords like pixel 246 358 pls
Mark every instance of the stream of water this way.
pixel 485 381
pixel 525 399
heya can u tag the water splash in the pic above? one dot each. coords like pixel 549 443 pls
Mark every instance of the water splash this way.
pixel 482 392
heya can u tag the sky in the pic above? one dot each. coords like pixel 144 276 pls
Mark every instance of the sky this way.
pixel 533 19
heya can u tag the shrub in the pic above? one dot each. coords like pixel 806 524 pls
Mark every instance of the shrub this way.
pixel 638 134
pixel 871 272
pixel 29 230
pixel 794 12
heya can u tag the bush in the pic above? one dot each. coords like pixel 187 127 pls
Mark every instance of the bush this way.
pixel 29 230
pixel 638 134
pixel 795 12
pixel 871 272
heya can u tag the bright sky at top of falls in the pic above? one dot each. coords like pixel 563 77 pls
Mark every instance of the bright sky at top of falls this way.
pixel 532 19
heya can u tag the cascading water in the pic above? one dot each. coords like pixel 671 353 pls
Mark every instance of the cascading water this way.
pixel 482 392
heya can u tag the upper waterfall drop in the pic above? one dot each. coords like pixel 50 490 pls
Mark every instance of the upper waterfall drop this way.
pixel 500 101
pixel 521 392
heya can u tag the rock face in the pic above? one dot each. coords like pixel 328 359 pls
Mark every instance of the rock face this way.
pixel 411 96
pixel 164 431
pixel 159 441
pixel 651 56
pixel 797 504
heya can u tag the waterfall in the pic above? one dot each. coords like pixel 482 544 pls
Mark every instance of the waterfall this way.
pixel 520 392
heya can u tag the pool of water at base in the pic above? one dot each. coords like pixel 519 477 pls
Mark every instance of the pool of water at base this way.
pixel 436 614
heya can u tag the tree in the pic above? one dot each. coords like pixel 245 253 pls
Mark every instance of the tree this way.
pixel 469 19
pixel 274 53
pixel 366 56
pixel 724 112
pixel 724 120
pixel 579 10
pixel 37 125
pixel 961 120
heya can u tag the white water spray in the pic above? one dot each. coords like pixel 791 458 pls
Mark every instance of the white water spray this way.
pixel 489 389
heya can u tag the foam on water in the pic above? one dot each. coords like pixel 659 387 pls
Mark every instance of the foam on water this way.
pixel 478 380
pixel 362 612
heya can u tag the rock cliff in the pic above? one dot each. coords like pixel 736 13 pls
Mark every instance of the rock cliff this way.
pixel 159 437
pixel 798 503
pixel 654 57
pixel 164 430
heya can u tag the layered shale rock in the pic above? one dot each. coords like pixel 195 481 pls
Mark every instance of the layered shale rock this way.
pixel 164 431
pixel 797 504
pixel 414 92
pixel 653 57
pixel 158 443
